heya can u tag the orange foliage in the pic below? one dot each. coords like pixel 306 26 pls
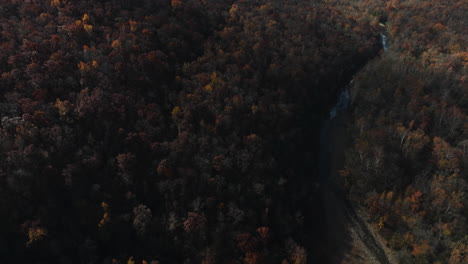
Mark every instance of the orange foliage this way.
pixel 82 66
pixel 176 3
pixel 194 222
pixel 414 199
pixel 253 258
pixel 459 254
pixel 116 44
pixel 263 232
pixel 55 2
pixel 421 249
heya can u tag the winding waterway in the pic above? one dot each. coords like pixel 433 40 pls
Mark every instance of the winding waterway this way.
pixel 327 143
pixel 345 229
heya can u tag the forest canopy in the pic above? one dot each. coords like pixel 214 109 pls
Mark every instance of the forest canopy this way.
pixel 407 163
pixel 187 131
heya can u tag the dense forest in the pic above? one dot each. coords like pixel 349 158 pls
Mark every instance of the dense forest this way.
pixel 408 157
pixel 188 131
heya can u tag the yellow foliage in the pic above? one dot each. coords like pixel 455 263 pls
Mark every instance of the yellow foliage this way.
pixel 254 109
pixel 36 234
pixel 63 107
pixel 130 261
pixel 445 155
pixel 265 7
pixel 271 23
pixel 176 111
pixel 208 88
pixel 455 47
pixel 133 25
pixel 215 83
pixel 95 64
pixel 299 255
pixel 381 223
pixel 228 109
pixel 389 196
pixel 88 28
pixel 101 223
pixel 233 9
pixel 85 18
pixel 252 137
pixel 446 229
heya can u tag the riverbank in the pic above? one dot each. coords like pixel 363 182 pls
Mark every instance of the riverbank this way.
pixel 347 231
